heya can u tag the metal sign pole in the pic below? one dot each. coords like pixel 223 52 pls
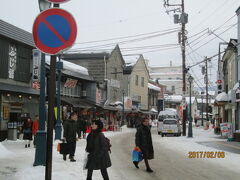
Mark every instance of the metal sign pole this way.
pixel 50 123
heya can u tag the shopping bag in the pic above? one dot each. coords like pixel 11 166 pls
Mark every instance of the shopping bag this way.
pixel 58 147
pixel 64 148
pixel 85 160
pixel 137 156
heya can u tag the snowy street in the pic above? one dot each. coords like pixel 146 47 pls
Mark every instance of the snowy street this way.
pixel 171 160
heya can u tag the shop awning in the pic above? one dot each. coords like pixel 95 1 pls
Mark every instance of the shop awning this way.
pixel 222 97
pixel 76 102
pixel 19 89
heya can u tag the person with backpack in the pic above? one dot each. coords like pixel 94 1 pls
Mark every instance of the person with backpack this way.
pixel 98 147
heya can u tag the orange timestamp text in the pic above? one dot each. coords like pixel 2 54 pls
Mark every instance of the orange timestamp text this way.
pixel 206 154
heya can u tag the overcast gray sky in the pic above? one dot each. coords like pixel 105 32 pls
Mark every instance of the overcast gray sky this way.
pixel 99 20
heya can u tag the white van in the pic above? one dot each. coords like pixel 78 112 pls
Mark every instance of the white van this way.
pixel 168 113
pixel 171 126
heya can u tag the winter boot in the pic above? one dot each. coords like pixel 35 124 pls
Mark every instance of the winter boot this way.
pixel 149 170
pixel 136 164
pixel 72 159
pixel 25 145
pixel 28 145
pixel 64 157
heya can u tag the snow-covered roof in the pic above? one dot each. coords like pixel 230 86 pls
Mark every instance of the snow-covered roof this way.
pixel 168 80
pixel 165 73
pixel 168 111
pixel 153 110
pixel 151 86
pixel 173 98
pixel 236 86
pixel 68 66
pixel 188 100
pixel 222 97
pixel 212 93
pixel 199 100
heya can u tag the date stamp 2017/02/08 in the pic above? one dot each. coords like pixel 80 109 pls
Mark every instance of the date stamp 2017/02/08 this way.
pixel 206 154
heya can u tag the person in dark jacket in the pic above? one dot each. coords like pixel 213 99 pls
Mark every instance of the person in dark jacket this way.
pixel 144 142
pixel 97 148
pixel 27 131
pixel 70 135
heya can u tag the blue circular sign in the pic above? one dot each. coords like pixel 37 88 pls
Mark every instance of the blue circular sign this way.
pixel 54 30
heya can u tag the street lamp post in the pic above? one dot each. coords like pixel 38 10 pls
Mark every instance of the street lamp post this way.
pixel 41 138
pixel 40 154
pixel 123 107
pixel 202 109
pixel 58 126
pixel 190 79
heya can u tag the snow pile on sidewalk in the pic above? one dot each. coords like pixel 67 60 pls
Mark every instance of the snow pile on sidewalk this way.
pixel 4 152
pixel 184 145
pixel 61 170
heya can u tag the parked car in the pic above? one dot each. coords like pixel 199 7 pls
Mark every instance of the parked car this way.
pixel 164 115
pixel 171 126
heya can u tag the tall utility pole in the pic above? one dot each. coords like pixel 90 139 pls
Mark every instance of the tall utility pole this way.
pixel 184 71
pixel 183 20
pixel 206 76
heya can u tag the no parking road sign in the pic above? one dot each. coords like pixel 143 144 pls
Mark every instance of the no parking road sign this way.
pixel 54 30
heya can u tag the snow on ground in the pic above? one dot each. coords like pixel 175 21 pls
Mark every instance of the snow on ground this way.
pixel 21 159
pixel 61 170
pixel 184 145
pixel 4 152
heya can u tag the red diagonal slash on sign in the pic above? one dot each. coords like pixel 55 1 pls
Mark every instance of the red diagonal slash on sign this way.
pixel 54 31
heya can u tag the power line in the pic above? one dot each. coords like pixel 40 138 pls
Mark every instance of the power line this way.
pixel 213 38
pixel 128 41
pixel 125 37
pixel 219 27
pixel 213 12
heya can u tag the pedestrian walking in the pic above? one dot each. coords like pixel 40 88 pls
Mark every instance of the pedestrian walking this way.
pixel 71 130
pixel 27 131
pixel 82 128
pixel 150 122
pixel 143 141
pixel 97 147
pixel 35 127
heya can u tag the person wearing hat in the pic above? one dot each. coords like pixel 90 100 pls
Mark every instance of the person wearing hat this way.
pixel 70 135
pixel 97 147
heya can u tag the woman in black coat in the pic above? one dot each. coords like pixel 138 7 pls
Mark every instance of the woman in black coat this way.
pixel 144 142
pixel 97 148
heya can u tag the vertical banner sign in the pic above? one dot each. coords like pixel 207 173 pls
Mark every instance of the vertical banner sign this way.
pixel 12 61
pixel 36 69
pixel 36 65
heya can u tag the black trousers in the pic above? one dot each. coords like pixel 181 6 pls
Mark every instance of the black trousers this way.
pixel 103 172
pixel 71 148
